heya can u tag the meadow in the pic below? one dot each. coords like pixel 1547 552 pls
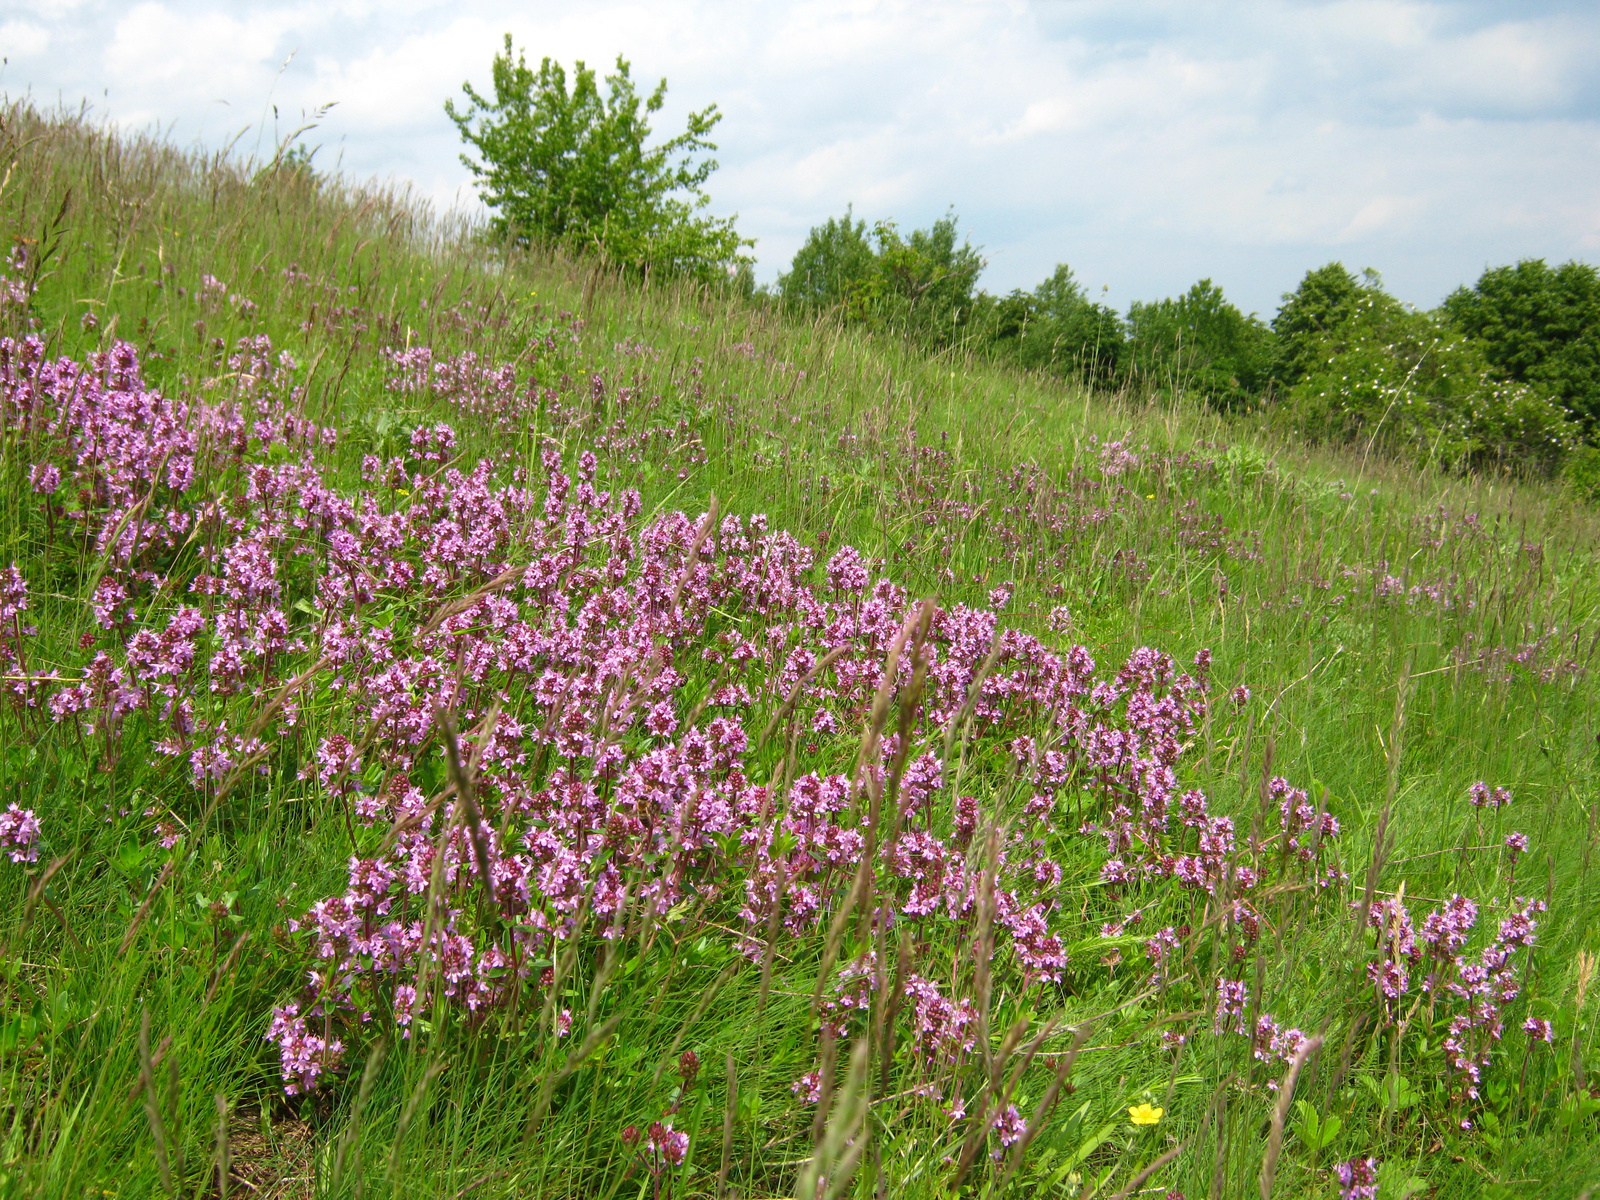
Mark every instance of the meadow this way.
pixel 479 724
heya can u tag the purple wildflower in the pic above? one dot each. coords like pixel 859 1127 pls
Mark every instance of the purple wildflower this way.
pixel 19 834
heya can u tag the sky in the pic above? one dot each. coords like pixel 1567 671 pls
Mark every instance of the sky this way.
pixel 1146 143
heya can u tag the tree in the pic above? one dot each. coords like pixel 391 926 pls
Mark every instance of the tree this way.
pixel 1202 343
pixel 1056 328
pixel 1387 375
pixel 1541 326
pixel 1325 299
pixel 832 266
pixel 573 167
pixel 921 285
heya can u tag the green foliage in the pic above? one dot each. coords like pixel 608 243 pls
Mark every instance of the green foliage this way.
pixel 572 166
pixel 1325 299
pixel 1386 375
pixel 336 274
pixel 1200 343
pixel 1316 1134
pixel 832 268
pixel 1582 473
pixel 1056 328
pixel 1539 325
pixel 920 285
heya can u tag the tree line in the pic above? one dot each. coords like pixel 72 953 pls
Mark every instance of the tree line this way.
pixel 1504 374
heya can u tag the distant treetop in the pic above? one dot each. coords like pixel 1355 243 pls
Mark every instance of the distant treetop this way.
pixel 573 167
pixel 1540 325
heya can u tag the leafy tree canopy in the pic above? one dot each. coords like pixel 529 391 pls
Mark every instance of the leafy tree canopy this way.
pixel 1058 329
pixel 922 283
pixel 1539 325
pixel 573 166
pixel 1386 374
pixel 1325 299
pixel 833 265
pixel 1202 342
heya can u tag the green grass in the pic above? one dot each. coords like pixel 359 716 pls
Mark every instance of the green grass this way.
pixel 840 438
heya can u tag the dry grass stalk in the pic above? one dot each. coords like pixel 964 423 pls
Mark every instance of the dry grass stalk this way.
pixel 419 1093
pixel 576 1059
pixel 152 1105
pixel 706 997
pixel 35 896
pixel 707 526
pixel 769 952
pixel 829 1062
pixel 793 698
pixel 861 885
pixel 831 1167
pixel 349 1148
pixel 730 1113
pixel 990 1103
pixel 226 968
pixel 144 909
pixel 1394 751
pixel 220 1159
pixel 464 795
pixel 1269 1164
pixel 1134 1184
pixel 1586 967
pixel 1046 1105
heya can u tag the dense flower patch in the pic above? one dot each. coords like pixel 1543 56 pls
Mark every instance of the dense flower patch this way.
pixel 555 726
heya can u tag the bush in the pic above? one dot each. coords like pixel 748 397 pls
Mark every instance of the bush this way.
pixel 573 167
pixel 833 266
pixel 1201 343
pixel 1539 325
pixel 1582 473
pixel 1406 381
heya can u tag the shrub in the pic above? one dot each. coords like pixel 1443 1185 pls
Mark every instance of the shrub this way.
pixel 1539 325
pixel 921 284
pixel 1582 473
pixel 1325 299
pixel 573 167
pixel 833 265
pixel 1404 380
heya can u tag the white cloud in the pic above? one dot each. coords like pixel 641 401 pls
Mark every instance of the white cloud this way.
pixel 22 38
pixel 199 52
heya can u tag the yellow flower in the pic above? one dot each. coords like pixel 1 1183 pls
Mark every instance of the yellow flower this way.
pixel 1144 1114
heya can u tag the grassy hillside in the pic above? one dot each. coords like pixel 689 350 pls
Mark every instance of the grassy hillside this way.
pixel 486 719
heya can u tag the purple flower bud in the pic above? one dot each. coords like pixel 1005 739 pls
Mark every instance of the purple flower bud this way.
pixel 1358 1179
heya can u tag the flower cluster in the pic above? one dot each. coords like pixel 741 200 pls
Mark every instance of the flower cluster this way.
pixel 537 631
pixel 1358 1179
pixel 19 834
pixel 1482 797
pixel 1472 989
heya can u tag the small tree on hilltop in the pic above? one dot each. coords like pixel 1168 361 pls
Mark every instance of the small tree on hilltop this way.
pixel 572 166
pixel 1057 328
pixel 1204 344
